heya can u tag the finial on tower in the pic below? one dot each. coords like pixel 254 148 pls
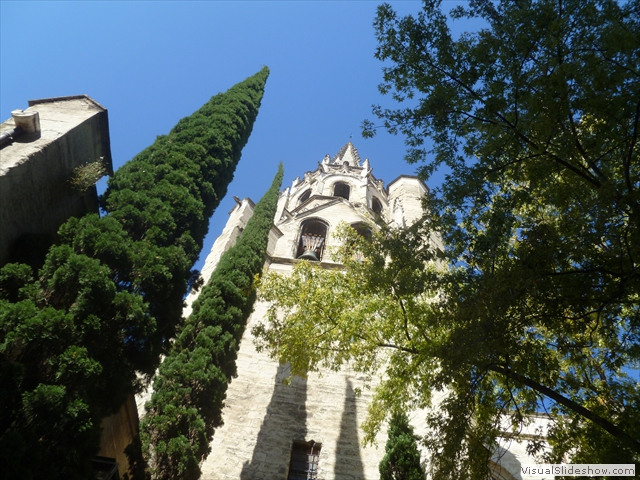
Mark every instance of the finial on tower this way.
pixel 349 154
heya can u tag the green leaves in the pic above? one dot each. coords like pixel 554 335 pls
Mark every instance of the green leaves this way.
pixel 110 295
pixel 402 458
pixel 535 302
pixel 381 314
pixel 191 384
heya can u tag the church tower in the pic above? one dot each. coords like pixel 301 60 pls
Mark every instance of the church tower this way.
pixel 309 428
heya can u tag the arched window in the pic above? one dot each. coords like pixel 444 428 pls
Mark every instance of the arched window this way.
pixel 303 198
pixel 341 189
pixel 313 238
pixel 363 230
pixel 376 206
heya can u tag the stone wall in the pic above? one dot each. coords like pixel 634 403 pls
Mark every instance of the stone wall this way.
pixel 264 416
pixel 118 431
pixel 35 194
pixel 36 197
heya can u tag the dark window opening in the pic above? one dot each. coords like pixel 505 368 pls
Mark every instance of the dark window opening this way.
pixel 341 190
pixel 304 460
pixel 376 206
pixel 304 197
pixel 363 230
pixel 312 240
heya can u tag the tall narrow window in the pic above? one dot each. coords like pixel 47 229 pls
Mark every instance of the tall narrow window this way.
pixel 304 460
pixel 341 189
pixel 376 206
pixel 313 237
pixel 363 230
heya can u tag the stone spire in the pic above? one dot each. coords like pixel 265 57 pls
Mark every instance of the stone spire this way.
pixel 348 154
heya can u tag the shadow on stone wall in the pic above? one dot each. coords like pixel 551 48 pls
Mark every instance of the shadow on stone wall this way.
pixel 348 462
pixel 285 421
pixel 504 462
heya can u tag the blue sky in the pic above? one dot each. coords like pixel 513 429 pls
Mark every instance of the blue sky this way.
pixel 151 63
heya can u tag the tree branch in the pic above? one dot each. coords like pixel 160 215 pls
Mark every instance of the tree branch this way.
pixel 585 175
pixel 570 404
pixel 404 316
pixel 634 140
pixel 397 347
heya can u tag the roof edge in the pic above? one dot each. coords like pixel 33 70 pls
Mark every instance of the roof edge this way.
pixel 83 96
pixel 413 177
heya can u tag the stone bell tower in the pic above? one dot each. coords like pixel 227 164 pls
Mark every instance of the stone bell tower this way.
pixel 310 428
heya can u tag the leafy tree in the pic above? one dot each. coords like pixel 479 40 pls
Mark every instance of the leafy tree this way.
pixel 537 116
pixel 534 301
pixel 109 295
pixel 191 384
pixel 402 458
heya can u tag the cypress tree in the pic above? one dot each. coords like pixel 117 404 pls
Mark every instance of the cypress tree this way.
pixel 110 293
pixel 191 385
pixel 165 196
pixel 402 458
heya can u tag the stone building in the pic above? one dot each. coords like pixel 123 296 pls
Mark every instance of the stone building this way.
pixel 41 149
pixel 310 429
pixel 271 427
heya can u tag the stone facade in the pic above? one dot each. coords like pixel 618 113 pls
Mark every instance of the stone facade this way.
pixel 36 198
pixel 263 417
pixel 35 194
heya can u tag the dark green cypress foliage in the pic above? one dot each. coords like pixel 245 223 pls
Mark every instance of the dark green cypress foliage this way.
pixel 402 458
pixel 191 385
pixel 110 293
pixel 166 194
